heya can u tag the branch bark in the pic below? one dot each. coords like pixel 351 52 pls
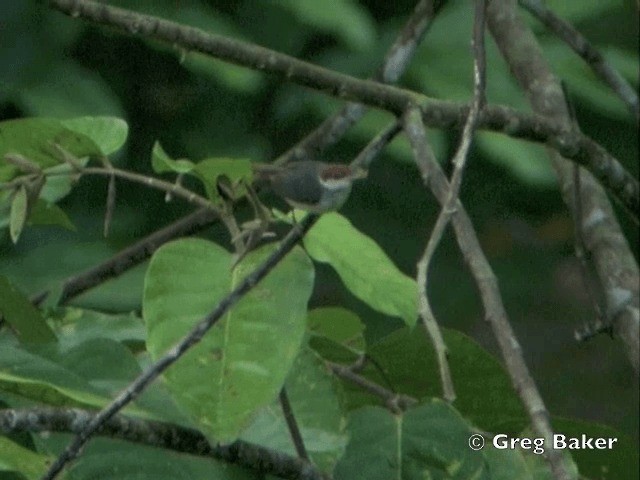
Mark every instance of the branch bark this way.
pixel 603 238
pixel 436 113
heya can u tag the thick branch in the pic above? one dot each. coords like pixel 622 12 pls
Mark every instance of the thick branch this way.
pixel 436 113
pixel 162 435
pixel 588 52
pixel 603 238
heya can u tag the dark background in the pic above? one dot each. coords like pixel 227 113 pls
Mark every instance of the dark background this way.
pixel 198 108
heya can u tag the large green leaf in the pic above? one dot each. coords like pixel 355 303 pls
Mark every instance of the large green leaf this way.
pixel 363 267
pixel 336 325
pixel 428 441
pixel 80 373
pixel 33 375
pixel 483 388
pixel 241 364
pixel 76 325
pixel 314 400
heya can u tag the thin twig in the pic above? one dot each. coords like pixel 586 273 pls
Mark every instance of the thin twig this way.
pixel 422 152
pixel 152 182
pixel 394 401
pixel 494 311
pixel 292 425
pixel 436 113
pixel 417 138
pixel 136 387
pixel 161 435
pixel 600 66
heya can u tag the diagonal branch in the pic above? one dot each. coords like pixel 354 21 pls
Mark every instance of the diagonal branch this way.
pixel 588 52
pixel 162 435
pixel 417 137
pixel 436 113
pixel 616 266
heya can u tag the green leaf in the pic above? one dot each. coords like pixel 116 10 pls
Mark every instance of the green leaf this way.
pixel 33 138
pixel 484 392
pixel 428 441
pixel 241 364
pixel 26 321
pixel 162 163
pixel 338 324
pixel 108 133
pixel 234 169
pixel 14 457
pixel 19 210
pixel 312 393
pixel 363 267
pixel 34 376
pixel 80 373
pixel 44 213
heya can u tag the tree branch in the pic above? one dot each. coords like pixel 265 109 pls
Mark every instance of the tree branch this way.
pixel 436 113
pixel 588 52
pixel 162 435
pixel 615 264
pixel 494 310
pixel 417 137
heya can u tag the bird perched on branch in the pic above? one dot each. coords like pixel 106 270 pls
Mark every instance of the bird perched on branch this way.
pixel 316 187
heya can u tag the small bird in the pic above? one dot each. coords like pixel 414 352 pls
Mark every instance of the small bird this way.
pixel 316 187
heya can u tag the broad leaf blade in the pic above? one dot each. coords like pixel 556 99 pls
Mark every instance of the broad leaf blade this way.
pixel 241 364
pixel 363 267
pixel 428 441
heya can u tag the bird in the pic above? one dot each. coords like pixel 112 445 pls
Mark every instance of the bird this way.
pixel 314 186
